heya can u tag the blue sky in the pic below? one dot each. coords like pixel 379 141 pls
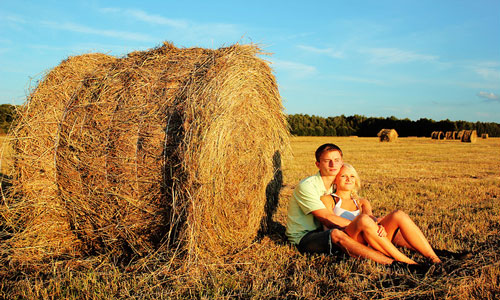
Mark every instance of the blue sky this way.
pixel 408 59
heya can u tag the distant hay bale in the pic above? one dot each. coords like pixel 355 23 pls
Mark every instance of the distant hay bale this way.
pixel 469 136
pixel 387 135
pixel 437 135
pixel 449 135
pixel 460 134
pixel 173 147
pixel 455 135
pixel 484 136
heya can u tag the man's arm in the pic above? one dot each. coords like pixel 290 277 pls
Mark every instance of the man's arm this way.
pixel 329 219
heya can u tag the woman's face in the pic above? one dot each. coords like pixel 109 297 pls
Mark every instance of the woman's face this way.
pixel 345 180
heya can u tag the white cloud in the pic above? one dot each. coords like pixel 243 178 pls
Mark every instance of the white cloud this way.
pixel 490 96
pixel 107 33
pixel 326 51
pixel 186 28
pixel 146 17
pixel 488 70
pixel 12 18
pixel 360 80
pixel 394 55
pixel 296 69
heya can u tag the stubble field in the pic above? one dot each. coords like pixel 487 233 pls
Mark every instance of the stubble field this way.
pixel 450 189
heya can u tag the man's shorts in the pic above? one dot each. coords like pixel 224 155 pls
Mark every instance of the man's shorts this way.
pixel 318 241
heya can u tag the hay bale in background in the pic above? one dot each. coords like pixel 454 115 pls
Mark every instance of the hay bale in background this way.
pixel 460 134
pixel 469 136
pixel 437 135
pixel 455 135
pixel 387 135
pixel 449 135
pixel 172 146
pixel 484 136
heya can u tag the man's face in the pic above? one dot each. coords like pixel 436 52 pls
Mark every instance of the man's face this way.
pixel 329 163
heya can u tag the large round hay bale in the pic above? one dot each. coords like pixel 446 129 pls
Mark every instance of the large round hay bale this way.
pixel 434 135
pixel 448 135
pixel 469 136
pixel 179 147
pixel 387 135
pixel 455 135
pixel 460 134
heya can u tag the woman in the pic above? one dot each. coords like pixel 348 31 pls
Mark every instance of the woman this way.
pixel 381 234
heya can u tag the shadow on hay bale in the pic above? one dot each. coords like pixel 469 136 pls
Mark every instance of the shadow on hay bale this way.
pixel 178 149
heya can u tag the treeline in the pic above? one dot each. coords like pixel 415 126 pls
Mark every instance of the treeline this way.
pixel 7 115
pixel 306 125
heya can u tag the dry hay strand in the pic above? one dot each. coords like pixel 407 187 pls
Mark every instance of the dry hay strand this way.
pixel 449 135
pixel 469 136
pixel 484 136
pixel 387 135
pixel 178 148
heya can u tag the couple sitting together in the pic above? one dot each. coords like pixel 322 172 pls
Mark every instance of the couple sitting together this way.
pixel 326 215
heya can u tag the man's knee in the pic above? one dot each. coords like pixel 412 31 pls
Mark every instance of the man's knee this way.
pixel 337 236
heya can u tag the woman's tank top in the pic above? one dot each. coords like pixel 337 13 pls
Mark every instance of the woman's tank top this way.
pixel 339 211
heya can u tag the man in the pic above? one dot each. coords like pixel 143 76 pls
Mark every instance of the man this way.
pixel 307 213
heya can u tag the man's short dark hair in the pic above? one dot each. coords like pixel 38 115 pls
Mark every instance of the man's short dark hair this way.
pixel 326 148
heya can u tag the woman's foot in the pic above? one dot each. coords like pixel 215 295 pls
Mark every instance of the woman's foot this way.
pixel 435 260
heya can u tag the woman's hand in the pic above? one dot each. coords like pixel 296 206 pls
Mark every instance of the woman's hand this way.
pixel 381 231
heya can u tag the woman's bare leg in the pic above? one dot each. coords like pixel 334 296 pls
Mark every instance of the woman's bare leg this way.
pixel 409 235
pixel 364 230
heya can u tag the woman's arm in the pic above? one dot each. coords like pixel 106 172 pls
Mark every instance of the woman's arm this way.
pixel 366 208
pixel 328 202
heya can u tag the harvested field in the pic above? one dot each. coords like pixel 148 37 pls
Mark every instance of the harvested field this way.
pixel 451 190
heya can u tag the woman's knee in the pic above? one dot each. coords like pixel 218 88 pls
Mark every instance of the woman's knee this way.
pixel 365 221
pixel 400 215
